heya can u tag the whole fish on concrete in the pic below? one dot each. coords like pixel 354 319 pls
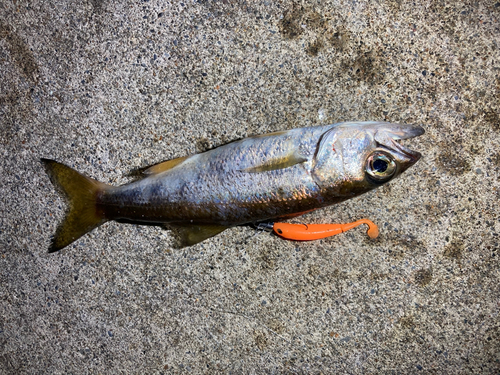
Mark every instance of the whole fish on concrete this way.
pixel 258 179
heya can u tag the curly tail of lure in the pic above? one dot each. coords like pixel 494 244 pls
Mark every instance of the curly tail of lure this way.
pixel 310 232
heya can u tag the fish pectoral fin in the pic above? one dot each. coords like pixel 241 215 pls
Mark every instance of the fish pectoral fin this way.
pixel 164 166
pixel 191 234
pixel 277 163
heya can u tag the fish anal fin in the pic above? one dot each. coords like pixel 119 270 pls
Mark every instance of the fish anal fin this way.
pixel 191 234
pixel 294 215
pixel 164 166
pixel 278 163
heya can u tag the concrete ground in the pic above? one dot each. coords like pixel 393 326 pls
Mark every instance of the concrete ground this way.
pixel 107 87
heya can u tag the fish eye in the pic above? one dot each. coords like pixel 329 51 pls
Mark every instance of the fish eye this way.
pixel 381 166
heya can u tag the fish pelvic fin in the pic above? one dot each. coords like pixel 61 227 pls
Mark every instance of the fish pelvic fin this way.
pixel 191 234
pixel 83 214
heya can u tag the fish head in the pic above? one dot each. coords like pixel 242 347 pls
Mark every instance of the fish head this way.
pixel 353 158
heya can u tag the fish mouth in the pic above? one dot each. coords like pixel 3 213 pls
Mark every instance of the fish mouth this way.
pixel 398 131
pixel 391 136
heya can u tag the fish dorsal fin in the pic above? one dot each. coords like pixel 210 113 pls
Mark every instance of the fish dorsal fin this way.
pixel 164 166
pixel 277 163
pixel 273 134
pixel 191 234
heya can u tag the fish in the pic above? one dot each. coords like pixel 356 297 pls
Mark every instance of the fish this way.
pixel 263 178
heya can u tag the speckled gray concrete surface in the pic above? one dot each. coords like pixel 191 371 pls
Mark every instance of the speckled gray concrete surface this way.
pixel 107 87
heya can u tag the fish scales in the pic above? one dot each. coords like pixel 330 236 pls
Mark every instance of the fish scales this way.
pixel 223 191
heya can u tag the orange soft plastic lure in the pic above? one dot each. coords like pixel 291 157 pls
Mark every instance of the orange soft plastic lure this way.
pixel 310 232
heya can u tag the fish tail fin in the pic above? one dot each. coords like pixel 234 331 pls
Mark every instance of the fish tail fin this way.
pixel 82 192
